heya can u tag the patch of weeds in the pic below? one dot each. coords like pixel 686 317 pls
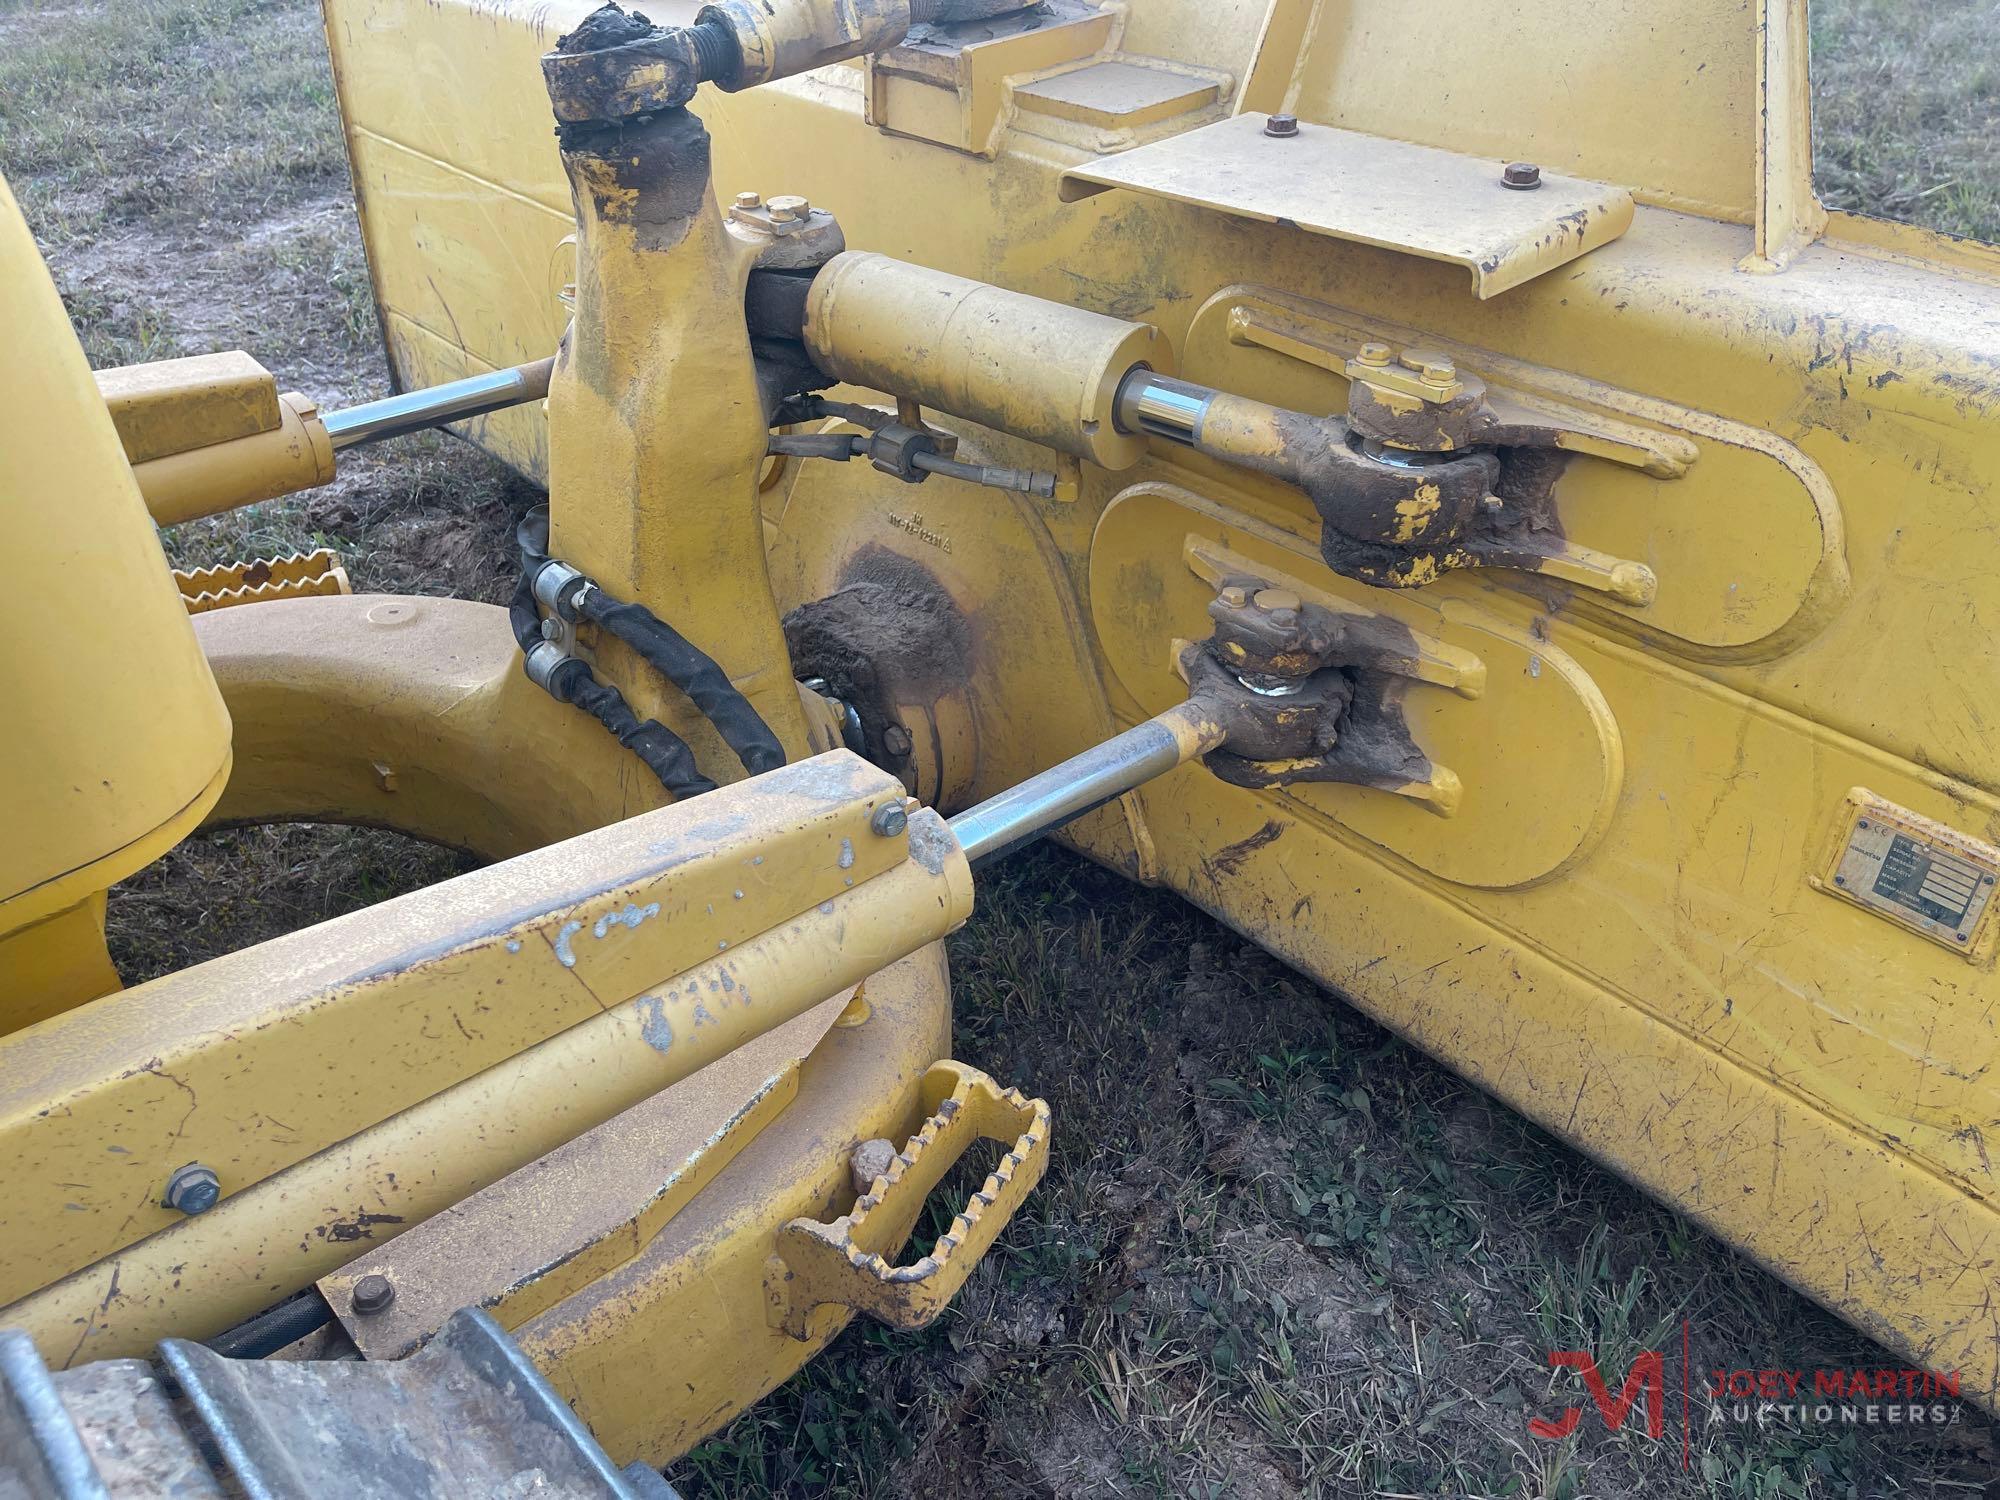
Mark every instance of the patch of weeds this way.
pixel 220 891
pixel 186 112
pixel 1906 111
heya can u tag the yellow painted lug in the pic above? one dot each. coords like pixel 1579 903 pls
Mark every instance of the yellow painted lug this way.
pixel 645 497
pixel 174 405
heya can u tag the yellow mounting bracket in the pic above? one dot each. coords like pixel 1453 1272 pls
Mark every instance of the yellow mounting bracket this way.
pixel 1377 641
pixel 1387 654
pixel 845 1263
pixel 1359 356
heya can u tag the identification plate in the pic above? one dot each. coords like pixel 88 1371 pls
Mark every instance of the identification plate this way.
pixel 1918 873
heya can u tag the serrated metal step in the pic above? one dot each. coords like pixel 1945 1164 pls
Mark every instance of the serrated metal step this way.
pixel 298 576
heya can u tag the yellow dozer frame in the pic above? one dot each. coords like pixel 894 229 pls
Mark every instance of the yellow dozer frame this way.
pixel 1513 555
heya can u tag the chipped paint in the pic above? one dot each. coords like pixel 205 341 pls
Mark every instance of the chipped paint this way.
pixel 565 955
pixel 653 1023
pixel 847 854
pixel 631 917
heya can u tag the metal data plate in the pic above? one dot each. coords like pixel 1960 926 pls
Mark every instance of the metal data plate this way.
pixel 1441 205
pixel 1918 873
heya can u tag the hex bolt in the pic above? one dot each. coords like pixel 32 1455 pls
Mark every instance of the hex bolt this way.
pixel 889 819
pixel 372 1294
pixel 1430 366
pixel 192 1189
pixel 1373 353
pixel 896 740
pixel 1282 605
pixel 789 209
pixel 749 200
pixel 1282 126
pixel 1235 597
pixel 1522 176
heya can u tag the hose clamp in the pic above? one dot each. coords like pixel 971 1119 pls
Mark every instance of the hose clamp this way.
pixel 554 582
pixel 542 662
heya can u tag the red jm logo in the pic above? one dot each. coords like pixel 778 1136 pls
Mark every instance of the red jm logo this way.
pixel 1648 1376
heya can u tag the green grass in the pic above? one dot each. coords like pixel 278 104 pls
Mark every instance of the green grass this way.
pixel 1906 100
pixel 210 115
pixel 1278 1252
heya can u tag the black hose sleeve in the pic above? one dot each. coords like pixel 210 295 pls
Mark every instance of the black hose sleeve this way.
pixel 275 1327
pixel 665 753
pixel 523 614
pixel 694 672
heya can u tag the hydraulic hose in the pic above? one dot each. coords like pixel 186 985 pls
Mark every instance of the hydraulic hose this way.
pixel 570 681
pixel 665 649
pixel 690 669
pixel 665 753
pixel 522 613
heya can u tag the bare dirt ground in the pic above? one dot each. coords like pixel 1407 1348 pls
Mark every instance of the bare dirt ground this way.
pixel 1279 1253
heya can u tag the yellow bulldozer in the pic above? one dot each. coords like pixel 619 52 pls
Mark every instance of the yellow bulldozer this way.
pixel 1509 552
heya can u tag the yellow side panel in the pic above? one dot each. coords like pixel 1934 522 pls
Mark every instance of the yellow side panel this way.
pixel 1672 993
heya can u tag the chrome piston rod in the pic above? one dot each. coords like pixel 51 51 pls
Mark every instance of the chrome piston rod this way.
pixel 413 411
pixel 1023 813
pixel 1162 406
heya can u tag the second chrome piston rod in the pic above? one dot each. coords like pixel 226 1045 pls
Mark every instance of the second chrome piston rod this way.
pixel 1024 813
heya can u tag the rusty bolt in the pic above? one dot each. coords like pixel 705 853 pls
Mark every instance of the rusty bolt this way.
pixel 1282 605
pixel 1372 353
pixel 1433 368
pixel 749 200
pixel 896 740
pixel 890 819
pixel 1521 176
pixel 192 1189
pixel 789 209
pixel 1282 126
pixel 868 1161
pixel 373 1293
pixel 1234 597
